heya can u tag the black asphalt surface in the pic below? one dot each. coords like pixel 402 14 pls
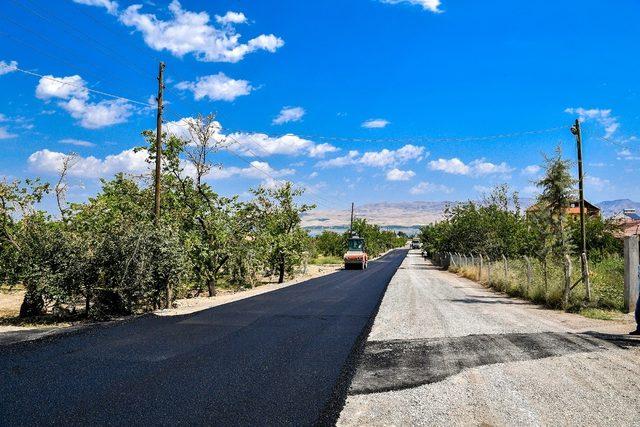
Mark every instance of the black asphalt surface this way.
pixel 271 359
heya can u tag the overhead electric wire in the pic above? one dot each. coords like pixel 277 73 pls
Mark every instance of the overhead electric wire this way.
pixel 99 92
pixel 87 67
pixel 84 36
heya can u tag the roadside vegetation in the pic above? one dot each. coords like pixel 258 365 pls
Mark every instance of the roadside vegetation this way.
pixel 109 256
pixel 527 254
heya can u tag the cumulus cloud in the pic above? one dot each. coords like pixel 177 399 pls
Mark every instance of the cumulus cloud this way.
pixel 379 159
pixel 74 96
pixel 5 134
pixel 601 116
pixel 375 123
pixel 320 150
pixel 531 170
pixel 257 169
pixel 128 161
pixel 396 174
pixel 77 142
pixel 111 6
pixel 349 159
pixel 8 67
pixel 231 18
pixel 192 32
pixel 430 5
pixel 428 187
pixel 289 114
pixel 217 87
pixel 478 167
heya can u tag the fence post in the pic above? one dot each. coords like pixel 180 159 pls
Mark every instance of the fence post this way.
pixel 529 273
pixel 567 281
pixel 506 267
pixel 453 261
pixel 585 276
pixel 480 268
pixel 473 261
pixel 489 271
pixel 630 273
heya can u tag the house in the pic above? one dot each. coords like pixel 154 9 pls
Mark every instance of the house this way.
pixel 629 222
pixel 573 210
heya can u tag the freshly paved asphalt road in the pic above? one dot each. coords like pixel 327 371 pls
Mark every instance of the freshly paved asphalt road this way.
pixel 268 360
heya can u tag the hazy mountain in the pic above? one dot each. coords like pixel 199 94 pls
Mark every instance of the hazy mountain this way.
pixel 408 216
pixel 612 207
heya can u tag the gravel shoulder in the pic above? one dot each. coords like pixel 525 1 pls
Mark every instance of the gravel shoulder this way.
pixel 443 350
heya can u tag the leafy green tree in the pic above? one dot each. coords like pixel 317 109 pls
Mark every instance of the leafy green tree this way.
pixel 279 217
pixel 330 243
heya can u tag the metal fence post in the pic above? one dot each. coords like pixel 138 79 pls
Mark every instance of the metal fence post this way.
pixel 489 270
pixel 567 281
pixel 480 268
pixel 630 273
pixel 529 273
pixel 506 267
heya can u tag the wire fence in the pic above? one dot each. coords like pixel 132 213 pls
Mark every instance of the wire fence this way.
pixel 542 279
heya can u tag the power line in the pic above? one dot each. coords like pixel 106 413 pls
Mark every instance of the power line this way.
pixel 99 92
pixel 84 36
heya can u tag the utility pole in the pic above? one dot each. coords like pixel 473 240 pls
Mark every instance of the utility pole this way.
pixel 156 210
pixel 351 226
pixel 575 129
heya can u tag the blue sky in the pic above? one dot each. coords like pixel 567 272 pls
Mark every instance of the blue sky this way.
pixel 363 100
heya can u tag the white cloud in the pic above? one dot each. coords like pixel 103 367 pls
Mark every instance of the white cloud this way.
pixel 192 32
pixel 453 166
pixel 5 134
pixel 531 170
pixel 530 190
pixel 111 6
pixel 430 5
pixel 597 184
pixel 338 162
pixel 128 161
pixel 256 170
pixel 478 167
pixel 380 159
pixel 61 87
pixel 428 187
pixel 600 116
pixel 73 91
pixel 289 114
pixel 320 150
pixel 375 123
pixel 100 114
pixel 231 18
pixel 77 142
pixel 400 175
pixel 7 67
pixel 217 87
pixel 264 145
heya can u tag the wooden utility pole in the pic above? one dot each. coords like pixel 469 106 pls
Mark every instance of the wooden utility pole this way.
pixel 351 225
pixel 575 129
pixel 156 210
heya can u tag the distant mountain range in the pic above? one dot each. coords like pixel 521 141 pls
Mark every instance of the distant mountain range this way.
pixel 408 216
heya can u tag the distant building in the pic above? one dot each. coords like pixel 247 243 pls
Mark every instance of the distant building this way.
pixel 628 221
pixel 573 210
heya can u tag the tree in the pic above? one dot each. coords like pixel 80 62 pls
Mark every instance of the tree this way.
pixel 330 243
pixel 558 191
pixel 280 218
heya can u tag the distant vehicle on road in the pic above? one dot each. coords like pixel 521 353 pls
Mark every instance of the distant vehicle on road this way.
pixel 356 255
pixel 415 244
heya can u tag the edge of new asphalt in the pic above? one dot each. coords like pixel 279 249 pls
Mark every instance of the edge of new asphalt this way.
pixel 334 406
